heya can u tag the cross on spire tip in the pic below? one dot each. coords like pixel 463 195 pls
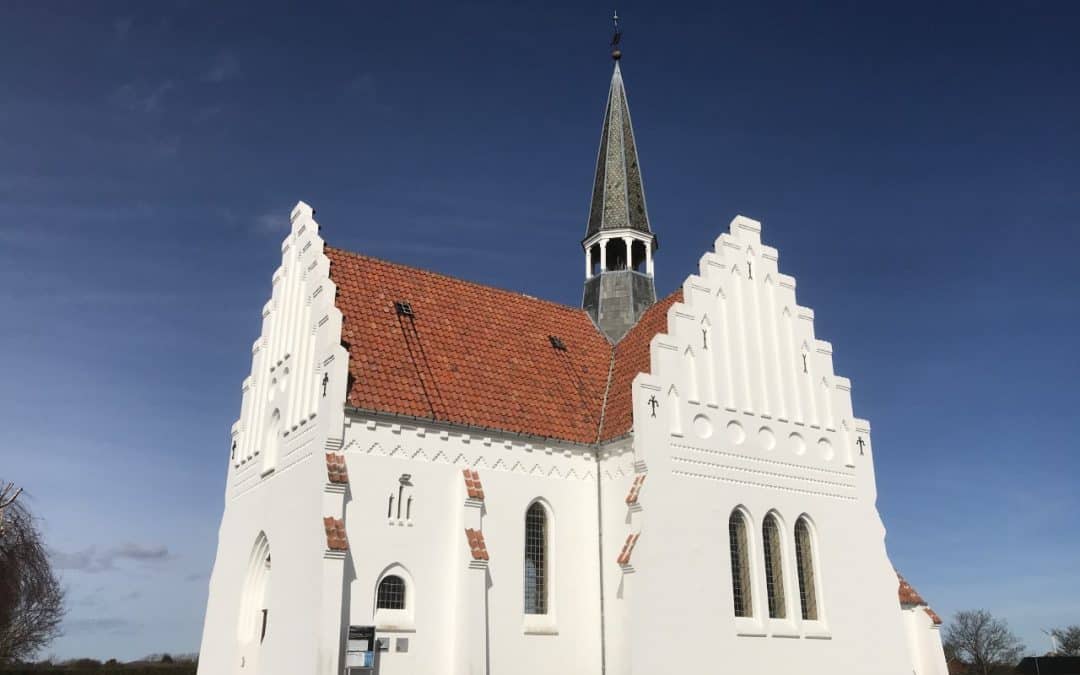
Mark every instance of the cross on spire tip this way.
pixel 616 38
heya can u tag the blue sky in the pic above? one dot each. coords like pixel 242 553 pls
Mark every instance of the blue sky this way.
pixel 915 163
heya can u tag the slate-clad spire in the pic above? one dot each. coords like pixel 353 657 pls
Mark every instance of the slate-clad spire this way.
pixel 618 199
pixel 619 242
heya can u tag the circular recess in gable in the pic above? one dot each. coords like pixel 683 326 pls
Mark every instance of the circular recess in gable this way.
pixel 703 427
pixel 798 445
pixel 735 432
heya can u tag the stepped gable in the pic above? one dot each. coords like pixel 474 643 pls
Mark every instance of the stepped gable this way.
pixel 481 356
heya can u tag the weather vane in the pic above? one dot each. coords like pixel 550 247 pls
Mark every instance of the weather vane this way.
pixel 616 38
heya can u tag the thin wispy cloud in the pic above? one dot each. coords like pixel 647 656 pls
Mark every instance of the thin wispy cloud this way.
pixel 270 222
pixel 364 91
pixel 93 561
pixel 122 26
pixel 224 68
pixel 208 112
pixel 112 625
pixel 141 97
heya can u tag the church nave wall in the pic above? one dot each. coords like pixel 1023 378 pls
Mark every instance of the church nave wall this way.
pixel 462 608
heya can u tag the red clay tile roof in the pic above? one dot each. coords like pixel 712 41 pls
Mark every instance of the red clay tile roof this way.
pixel 477 547
pixel 472 484
pixel 632 357
pixel 628 548
pixel 933 616
pixel 335 468
pixel 335 534
pixel 908 594
pixel 909 597
pixel 481 356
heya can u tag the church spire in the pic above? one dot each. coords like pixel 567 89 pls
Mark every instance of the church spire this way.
pixel 618 199
pixel 619 242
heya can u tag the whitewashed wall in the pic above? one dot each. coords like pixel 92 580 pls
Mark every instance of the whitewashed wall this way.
pixel 924 642
pixel 455 625
pixel 740 423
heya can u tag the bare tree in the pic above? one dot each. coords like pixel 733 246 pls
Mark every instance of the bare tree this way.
pixel 1068 640
pixel 31 599
pixel 982 642
pixel 8 495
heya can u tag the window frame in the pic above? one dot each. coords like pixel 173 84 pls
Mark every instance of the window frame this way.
pixel 813 628
pixel 804 570
pixel 254 619
pixel 404 592
pixel 776 599
pixel 743 577
pixel 786 625
pixel 391 620
pixel 540 624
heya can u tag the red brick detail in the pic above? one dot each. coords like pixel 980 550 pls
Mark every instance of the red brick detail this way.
pixel 472 484
pixel 933 616
pixel 481 356
pixel 477 547
pixel 336 469
pixel 628 548
pixel 335 534
pixel 635 489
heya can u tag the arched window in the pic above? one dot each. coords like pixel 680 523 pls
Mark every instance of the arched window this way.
pixel 740 564
pixel 254 608
pixel 391 593
pixel 804 562
pixel 774 567
pixel 536 560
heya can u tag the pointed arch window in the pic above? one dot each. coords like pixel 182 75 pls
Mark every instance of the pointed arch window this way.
pixel 774 567
pixel 536 560
pixel 804 562
pixel 391 594
pixel 255 603
pixel 740 564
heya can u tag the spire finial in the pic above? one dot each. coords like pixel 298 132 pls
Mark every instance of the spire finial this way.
pixel 616 38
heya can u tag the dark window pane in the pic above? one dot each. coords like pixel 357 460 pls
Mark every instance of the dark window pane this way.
pixel 774 568
pixel 536 560
pixel 740 565
pixel 391 593
pixel 805 563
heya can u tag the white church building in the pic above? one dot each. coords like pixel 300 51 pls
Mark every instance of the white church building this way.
pixel 430 476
